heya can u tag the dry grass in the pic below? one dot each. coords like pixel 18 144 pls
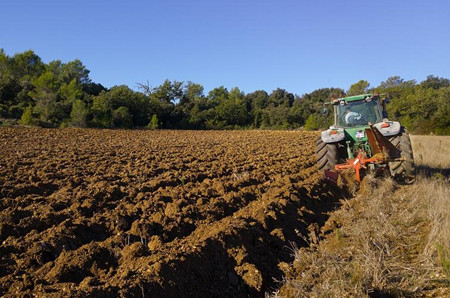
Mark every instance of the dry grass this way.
pixel 432 151
pixel 388 240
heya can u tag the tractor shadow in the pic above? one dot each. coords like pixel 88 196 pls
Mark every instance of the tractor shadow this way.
pixel 430 172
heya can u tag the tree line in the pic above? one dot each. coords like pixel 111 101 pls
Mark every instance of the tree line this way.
pixel 58 94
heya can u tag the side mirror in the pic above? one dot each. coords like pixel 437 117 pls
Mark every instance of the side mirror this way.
pixel 324 111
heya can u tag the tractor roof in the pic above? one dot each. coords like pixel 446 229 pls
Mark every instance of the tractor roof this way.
pixel 356 97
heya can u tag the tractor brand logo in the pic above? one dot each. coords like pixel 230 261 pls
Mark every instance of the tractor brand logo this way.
pixel 359 134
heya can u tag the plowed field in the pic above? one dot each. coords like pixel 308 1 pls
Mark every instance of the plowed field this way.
pixel 154 213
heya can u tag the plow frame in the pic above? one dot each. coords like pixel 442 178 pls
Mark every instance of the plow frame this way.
pixel 382 150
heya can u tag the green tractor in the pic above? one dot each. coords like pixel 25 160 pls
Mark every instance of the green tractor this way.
pixel 363 140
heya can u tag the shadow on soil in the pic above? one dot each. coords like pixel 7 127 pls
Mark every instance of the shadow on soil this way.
pixel 244 261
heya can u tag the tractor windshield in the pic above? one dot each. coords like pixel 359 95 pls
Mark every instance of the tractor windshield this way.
pixel 357 113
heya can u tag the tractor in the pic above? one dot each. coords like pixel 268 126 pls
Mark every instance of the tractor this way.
pixel 362 140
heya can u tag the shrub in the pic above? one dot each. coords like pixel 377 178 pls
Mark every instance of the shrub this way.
pixel 27 116
pixel 153 122
pixel 121 118
pixel 78 114
pixel 311 123
pixel 15 112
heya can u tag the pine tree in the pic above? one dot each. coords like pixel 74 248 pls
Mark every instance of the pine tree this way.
pixel 153 122
pixel 27 116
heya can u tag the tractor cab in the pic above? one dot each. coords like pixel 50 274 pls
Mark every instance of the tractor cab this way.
pixel 357 110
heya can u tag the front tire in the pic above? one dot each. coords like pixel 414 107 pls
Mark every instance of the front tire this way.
pixel 405 170
pixel 327 155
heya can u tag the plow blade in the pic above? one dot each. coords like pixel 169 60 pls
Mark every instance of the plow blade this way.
pixel 380 145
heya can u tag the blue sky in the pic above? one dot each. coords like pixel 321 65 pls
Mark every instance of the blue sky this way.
pixel 296 45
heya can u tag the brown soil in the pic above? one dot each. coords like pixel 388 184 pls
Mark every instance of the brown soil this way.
pixel 163 213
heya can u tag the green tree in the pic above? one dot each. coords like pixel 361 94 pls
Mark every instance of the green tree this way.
pixel 258 99
pixel 4 61
pixel 16 76
pixel 107 102
pixel 435 82
pixel 441 119
pixel 258 102
pixel 153 122
pixel 277 116
pixel 168 92
pixel 45 94
pixel 192 93
pixel 93 89
pixel 27 65
pixel 311 123
pixel 68 94
pixel 232 111
pixel 27 116
pixel 323 94
pixel 71 92
pixel 217 96
pixel 396 81
pixel 281 97
pixel 396 87
pixel 294 116
pixel 8 86
pixel 79 114
pixel 360 87
pixel 75 70
pixel 121 118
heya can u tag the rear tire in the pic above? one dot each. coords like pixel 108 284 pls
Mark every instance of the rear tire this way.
pixel 403 171
pixel 327 155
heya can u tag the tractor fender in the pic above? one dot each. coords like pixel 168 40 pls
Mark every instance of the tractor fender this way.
pixel 388 128
pixel 332 135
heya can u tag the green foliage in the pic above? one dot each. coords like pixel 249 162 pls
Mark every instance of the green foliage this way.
pixel 26 65
pixel 121 118
pixel 232 110
pixel 3 110
pixel 435 82
pixel 422 108
pixel 109 101
pixel 168 92
pixel 153 122
pixel 27 116
pixel 71 92
pixel 312 122
pixel 276 116
pixel 45 94
pixel 79 114
pixel 323 94
pixel 15 111
pixel 61 93
pixel 281 97
pixel 395 82
pixel 258 99
pixel 360 87
pixel 295 116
